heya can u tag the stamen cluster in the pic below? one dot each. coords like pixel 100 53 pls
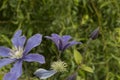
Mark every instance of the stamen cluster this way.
pixel 16 53
pixel 59 66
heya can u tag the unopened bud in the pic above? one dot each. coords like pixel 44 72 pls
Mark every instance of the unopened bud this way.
pixel 72 77
pixel 94 34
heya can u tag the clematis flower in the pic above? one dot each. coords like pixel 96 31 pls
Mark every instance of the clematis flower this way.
pixel 62 42
pixel 44 74
pixel 57 66
pixel 19 53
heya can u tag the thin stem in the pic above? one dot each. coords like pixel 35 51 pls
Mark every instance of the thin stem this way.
pixel 59 55
pixel 86 47
pixel 26 72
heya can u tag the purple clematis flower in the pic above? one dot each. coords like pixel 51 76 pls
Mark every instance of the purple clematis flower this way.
pixel 19 53
pixel 62 42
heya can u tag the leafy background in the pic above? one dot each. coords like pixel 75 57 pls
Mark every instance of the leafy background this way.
pixel 77 18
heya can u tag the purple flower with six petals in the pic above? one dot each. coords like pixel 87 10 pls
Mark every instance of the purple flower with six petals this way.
pixel 19 53
pixel 62 42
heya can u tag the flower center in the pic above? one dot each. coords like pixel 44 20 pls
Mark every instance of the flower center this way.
pixel 16 53
pixel 59 66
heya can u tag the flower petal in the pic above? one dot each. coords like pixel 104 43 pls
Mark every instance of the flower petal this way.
pixel 44 74
pixel 66 38
pixel 71 44
pixel 55 35
pixel 9 76
pixel 55 38
pixel 17 33
pixel 22 40
pixel 4 52
pixel 19 41
pixel 33 42
pixel 6 61
pixel 15 72
pixel 34 57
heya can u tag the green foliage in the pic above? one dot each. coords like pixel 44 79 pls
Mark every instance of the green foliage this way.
pixel 77 18
pixel 77 57
pixel 86 68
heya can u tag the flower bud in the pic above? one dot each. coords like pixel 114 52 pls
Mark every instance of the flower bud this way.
pixel 94 34
pixel 72 77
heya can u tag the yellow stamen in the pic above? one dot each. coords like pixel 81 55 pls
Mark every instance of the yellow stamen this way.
pixel 59 66
pixel 16 53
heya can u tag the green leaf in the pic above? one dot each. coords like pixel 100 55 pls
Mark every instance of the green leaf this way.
pixel 5 38
pixel 78 57
pixel 86 68
pixel 1 76
pixel 80 78
pixel 4 5
pixel 106 4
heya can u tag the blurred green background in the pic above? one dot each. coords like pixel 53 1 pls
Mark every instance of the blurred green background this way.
pixel 77 18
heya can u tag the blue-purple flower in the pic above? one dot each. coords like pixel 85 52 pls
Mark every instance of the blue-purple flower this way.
pixel 62 42
pixel 19 53
pixel 57 66
pixel 44 74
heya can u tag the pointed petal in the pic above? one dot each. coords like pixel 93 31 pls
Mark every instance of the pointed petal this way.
pixel 17 33
pixel 55 38
pixel 44 74
pixel 32 42
pixel 15 72
pixel 9 76
pixel 15 41
pixel 5 61
pixel 19 41
pixel 61 44
pixel 34 57
pixel 66 38
pixel 71 44
pixel 4 52
pixel 22 41
pixel 55 35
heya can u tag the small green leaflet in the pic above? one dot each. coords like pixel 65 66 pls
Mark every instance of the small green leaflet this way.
pixel 86 68
pixel 78 57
